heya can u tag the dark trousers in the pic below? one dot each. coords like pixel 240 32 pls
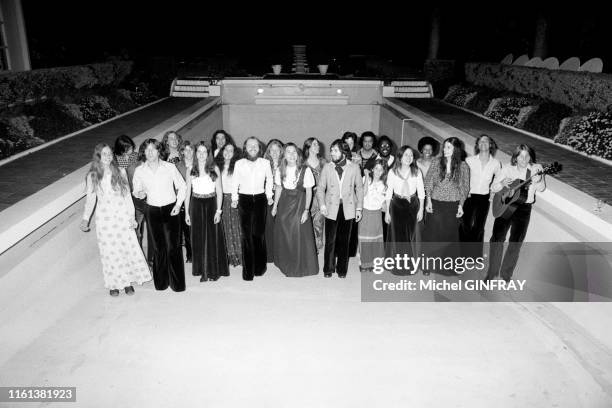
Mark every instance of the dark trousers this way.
pixel 252 209
pixel 165 230
pixel 337 237
pixel 384 224
pixel 186 234
pixel 472 225
pixel 517 224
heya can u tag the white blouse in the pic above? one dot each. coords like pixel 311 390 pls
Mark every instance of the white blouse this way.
pixel 481 176
pixel 160 184
pixel 227 182
pixel 375 196
pixel 202 184
pixel 291 180
pixel 405 187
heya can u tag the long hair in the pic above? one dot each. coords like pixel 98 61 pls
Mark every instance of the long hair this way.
pixel 344 148
pixel 245 154
pixel 183 146
pixel 166 149
pixel 96 171
pixel 383 176
pixel 268 156
pixel 306 149
pixel 209 166
pixel 122 144
pixel 299 163
pixel 142 157
pixel 492 145
pixel 456 159
pixel 220 159
pixel 397 164
pixel 519 149
pixel 351 135
pixel 213 139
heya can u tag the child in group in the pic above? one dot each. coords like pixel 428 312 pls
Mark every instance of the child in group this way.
pixel 371 244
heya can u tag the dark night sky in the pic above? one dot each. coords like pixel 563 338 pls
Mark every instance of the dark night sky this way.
pixel 66 32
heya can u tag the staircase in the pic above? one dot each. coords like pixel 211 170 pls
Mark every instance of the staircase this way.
pixel 193 87
pixel 413 88
pixel 300 64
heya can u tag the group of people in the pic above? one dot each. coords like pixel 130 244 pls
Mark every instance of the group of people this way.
pixel 282 204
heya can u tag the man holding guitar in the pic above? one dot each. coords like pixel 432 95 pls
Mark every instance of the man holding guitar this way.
pixel 516 187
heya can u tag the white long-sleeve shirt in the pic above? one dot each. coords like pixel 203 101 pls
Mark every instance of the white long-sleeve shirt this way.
pixel 252 177
pixel 160 185
pixel 513 172
pixel 481 176
pixel 405 187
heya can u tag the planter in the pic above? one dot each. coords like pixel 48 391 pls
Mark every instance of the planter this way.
pixel 322 69
pixel 277 69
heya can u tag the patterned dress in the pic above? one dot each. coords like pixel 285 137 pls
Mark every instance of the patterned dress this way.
pixel 123 262
pixel 318 219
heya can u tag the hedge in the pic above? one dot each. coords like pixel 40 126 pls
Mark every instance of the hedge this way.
pixel 24 86
pixel 578 90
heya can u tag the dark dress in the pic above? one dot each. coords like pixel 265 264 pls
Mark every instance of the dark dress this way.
pixel 294 243
pixel 269 231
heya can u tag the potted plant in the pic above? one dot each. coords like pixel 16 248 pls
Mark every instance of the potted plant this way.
pixel 277 69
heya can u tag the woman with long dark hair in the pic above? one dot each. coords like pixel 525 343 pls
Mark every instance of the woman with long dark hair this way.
pixel 371 243
pixel 164 188
pixel 184 166
pixel 295 253
pixel 123 262
pixel 218 140
pixel 313 159
pixel 447 185
pixel 405 202
pixel 231 216
pixel 203 213
pixel 274 154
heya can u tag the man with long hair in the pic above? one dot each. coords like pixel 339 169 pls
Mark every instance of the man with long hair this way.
pixel 340 196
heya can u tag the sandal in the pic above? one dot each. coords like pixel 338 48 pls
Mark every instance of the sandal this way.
pixel 114 292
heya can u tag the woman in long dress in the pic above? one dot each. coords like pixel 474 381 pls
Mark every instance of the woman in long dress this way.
pixel 230 217
pixel 313 159
pixel 203 213
pixel 274 154
pixel 295 253
pixel 123 262
pixel 371 244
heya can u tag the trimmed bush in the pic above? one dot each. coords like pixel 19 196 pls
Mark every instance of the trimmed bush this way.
pixel 16 135
pixel 481 101
pixel 578 90
pixel 120 100
pixel 51 119
pixel 506 110
pixel 95 108
pixel 545 119
pixel 592 134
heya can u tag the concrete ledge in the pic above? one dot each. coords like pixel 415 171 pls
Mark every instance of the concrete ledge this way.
pixel 26 216
pixel 574 206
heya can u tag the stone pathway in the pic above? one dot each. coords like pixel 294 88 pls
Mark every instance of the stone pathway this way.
pixel 33 172
pixel 583 173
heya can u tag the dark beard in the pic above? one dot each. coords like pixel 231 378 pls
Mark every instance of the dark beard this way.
pixel 339 160
pixel 252 158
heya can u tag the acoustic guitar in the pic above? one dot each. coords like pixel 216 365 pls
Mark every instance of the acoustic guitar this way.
pixel 506 201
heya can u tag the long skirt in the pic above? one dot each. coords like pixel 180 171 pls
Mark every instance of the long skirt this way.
pixel 442 233
pixel 371 243
pixel 295 253
pixel 207 240
pixel 318 222
pixel 269 234
pixel 401 232
pixel 232 231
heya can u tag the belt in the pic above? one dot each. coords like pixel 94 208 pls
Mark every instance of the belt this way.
pixel 209 195
pixel 401 197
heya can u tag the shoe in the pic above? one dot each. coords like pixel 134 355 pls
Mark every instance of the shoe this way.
pixel 363 269
pixel 214 279
pixel 129 290
pixel 507 279
pixel 114 292
pixel 341 276
pixel 426 273
pixel 203 279
pixel 188 260
pixel 487 279
pixel 327 275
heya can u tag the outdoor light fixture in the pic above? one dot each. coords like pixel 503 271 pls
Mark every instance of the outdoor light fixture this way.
pixel 260 90
pixel 339 91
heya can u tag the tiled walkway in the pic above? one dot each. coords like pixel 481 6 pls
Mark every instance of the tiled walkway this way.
pixel 31 173
pixel 583 173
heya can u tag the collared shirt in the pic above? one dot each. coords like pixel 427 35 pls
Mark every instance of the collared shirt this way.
pixel 252 177
pixel 481 176
pixel 159 185
pixel 513 172
pixel 405 187
pixel 291 180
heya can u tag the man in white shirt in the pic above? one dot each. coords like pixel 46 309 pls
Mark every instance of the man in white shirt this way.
pixel 164 188
pixel 340 195
pixel 522 167
pixel 251 193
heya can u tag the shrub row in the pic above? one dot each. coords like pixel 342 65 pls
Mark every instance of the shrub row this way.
pixel 588 132
pixel 24 86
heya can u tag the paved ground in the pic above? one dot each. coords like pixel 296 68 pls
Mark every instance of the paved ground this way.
pixel 29 174
pixel 583 173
